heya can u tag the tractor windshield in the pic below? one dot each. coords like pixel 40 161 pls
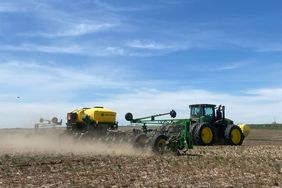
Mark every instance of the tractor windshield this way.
pixel 195 111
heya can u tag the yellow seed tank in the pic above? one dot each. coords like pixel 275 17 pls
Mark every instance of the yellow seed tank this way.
pixel 101 115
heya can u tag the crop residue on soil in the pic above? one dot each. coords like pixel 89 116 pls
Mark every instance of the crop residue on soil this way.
pixel 43 160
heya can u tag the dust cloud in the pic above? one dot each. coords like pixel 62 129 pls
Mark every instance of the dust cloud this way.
pixel 55 142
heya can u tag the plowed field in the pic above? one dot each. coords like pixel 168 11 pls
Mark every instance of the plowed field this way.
pixel 45 160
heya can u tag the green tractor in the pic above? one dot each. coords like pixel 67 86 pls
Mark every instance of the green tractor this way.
pixel 208 126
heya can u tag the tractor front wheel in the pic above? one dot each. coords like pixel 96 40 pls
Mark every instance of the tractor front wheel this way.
pixel 204 135
pixel 233 135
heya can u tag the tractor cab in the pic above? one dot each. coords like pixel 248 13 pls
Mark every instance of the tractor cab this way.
pixel 207 113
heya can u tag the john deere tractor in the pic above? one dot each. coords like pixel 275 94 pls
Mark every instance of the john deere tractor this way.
pixel 208 126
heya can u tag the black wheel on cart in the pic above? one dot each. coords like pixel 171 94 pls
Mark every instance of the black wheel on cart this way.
pixel 159 144
pixel 140 140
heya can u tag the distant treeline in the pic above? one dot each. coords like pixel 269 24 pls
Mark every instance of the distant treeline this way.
pixel 266 126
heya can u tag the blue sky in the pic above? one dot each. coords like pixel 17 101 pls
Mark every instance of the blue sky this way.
pixel 142 56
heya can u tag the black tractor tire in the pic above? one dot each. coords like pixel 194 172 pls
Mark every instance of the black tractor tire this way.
pixel 128 116
pixel 159 143
pixel 172 113
pixel 192 130
pixel 55 120
pixel 140 140
pixel 233 135
pixel 204 135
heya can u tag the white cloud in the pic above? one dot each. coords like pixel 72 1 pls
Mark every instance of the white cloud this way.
pixel 270 48
pixel 267 94
pixel 67 49
pixel 257 46
pixel 9 7
pixel 71 49
pixel 113 51
pixel 75 29
pixel 129 8
pixel 31 90
pixel 149 45
pixel 152 48
pixel 56 22
pixel 43 82
pixel 85 49
pixel 221 67
pixel 84 28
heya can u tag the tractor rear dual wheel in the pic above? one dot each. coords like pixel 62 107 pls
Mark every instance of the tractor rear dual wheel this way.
pixel 233 135
pixel 204 135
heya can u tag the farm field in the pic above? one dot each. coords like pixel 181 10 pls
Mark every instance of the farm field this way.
pixel 47 160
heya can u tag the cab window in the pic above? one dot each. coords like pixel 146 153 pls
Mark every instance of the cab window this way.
pixel 195 111
pixel 208 111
